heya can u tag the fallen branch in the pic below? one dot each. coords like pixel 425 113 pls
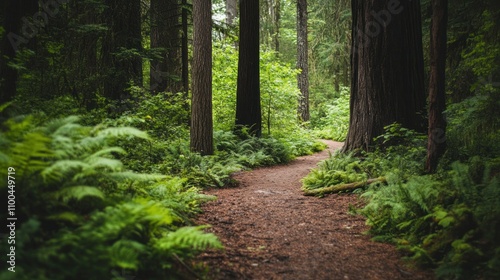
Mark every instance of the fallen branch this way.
pixel 343 187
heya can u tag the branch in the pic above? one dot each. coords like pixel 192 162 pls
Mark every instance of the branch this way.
pixel 343 187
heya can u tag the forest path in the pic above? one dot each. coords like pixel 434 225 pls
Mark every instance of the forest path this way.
pixel 271 231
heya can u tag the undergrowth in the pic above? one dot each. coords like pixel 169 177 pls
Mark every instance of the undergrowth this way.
pixel 330 118
pixel 448 221
pixel 80 211
pixel 107 199
pixel 167 150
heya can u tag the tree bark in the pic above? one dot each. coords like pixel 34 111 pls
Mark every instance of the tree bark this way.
pixel 343 187
pixel 166 73
pixel 201 111
pixel 387 83
pixel 231 11
pixel 302 60
pixel 185 49
pixel 123 20
pixel 248 108
pixel 8 75
pixel 436 145
pixel 277 21
pixel 14 38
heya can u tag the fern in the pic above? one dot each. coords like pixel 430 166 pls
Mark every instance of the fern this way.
pixel 31 154
pixel 78 193
pixel 120 132
pixel 178 242
pixel 93 215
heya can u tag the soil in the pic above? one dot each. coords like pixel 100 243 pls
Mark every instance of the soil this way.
pixel 271 231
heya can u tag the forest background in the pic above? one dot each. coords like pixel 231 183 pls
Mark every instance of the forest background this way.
pixel 95 112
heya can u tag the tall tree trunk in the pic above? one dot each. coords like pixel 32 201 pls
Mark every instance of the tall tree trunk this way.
pixel 201 112
pixel 124 23
pixel 16 35
pixel 185 49
pixel 231 12
pixel 81 69
pixel 166 73
pixel 11 23
pixel 302 60
pixel 387 69
pixel 248 109
pixel 270 23
pixel 277 22
pixel 436 145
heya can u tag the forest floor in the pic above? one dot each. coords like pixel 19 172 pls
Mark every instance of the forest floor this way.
pixel 271 231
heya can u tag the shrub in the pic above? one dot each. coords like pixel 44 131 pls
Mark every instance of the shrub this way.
pixel 81 212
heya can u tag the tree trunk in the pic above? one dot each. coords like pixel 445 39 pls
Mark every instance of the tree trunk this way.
pixel 302 60
pixel 185 49
pixel 201 111
pixel 81 69
pixel 248 109
pixel 436 145
pixel 124 24
pixel 11 23
pixel 16 35
pixel 387 69
pixel 276 12
pixel 231 11
pixel 166 73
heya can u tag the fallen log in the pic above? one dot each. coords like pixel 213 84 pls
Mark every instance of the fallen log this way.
pixel 343 187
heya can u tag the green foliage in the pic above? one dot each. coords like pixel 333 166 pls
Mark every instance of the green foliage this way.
pixel 329 46
pixel 167 151
pixel 279 92
pixel 81 212
pixel 474 126
pixel 339 168
pixel 446 220
pixel 402 160
pixel 232 154
pixel 482 56
pixel 330 119
pixel 449 220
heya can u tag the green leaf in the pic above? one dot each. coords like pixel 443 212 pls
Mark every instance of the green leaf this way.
pixel 78 193
pixel 118 132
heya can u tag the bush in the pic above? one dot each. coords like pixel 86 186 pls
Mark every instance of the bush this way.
pixel 81 212
pixel 448 220
pixel 331 119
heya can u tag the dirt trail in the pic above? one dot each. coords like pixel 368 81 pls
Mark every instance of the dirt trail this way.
pixel 271 231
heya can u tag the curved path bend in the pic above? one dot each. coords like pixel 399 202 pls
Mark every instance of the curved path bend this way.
pixel 271 231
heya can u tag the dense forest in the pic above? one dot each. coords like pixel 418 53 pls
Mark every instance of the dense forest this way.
pixel 116 115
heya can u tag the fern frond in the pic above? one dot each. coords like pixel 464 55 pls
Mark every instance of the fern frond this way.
pixel 65 127
pixel 187 240
pixel 119 132
pixel 66 216
pixel 78 193
pixel 62 168
pixel 126 253
pixel 108 151
pixel 129 175
pixel 104 163
pixel 31 154
pixel 52 126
